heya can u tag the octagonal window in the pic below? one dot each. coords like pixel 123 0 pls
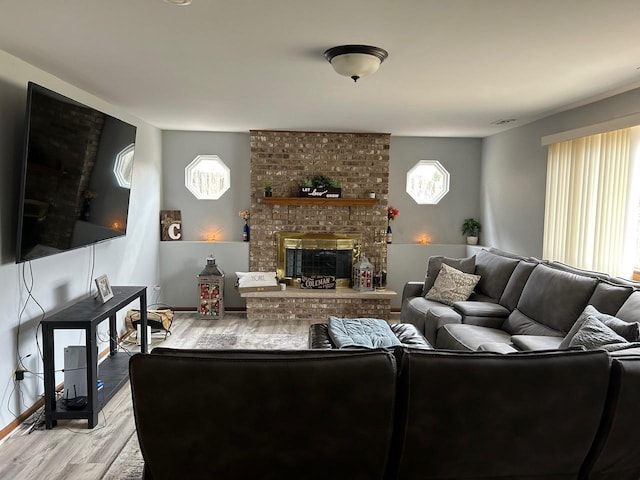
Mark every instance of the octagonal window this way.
pixel 207 177
pixel 427 182
pixel 123 167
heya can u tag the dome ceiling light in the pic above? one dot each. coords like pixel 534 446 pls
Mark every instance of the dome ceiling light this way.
pixel 355 61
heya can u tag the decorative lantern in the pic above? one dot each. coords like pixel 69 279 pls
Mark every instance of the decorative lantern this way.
pixel 363 275
pixel 211 291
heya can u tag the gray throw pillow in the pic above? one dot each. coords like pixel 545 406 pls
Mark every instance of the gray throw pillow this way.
pixel 574 329
pixel 629 331
pixel 466 265
pixel 452 286
pixel 595 334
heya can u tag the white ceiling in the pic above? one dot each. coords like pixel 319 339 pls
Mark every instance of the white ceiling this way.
pixel 454 66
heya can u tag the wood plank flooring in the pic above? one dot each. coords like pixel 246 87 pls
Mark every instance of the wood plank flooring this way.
pixel 71 451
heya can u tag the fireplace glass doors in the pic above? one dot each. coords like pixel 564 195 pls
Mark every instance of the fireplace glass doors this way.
pixel 308 254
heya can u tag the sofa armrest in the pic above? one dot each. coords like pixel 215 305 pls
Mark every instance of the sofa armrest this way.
pixel 436 318
pixel 319 338
pixel 412 289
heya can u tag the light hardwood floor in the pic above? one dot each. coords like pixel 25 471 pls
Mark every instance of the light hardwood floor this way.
pixel 71 451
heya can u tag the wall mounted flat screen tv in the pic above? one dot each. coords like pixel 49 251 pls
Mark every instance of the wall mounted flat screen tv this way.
pixel 76 176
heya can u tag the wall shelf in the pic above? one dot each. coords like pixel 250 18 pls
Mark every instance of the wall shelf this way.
pixel 345 202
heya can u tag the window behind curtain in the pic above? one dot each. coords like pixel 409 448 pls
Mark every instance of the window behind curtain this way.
pixel 592 200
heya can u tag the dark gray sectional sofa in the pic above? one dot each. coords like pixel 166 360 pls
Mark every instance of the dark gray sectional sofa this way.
pixel 519 304
pixel 392 414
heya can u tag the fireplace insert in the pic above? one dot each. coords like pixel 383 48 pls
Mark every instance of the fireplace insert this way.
pixel 309 254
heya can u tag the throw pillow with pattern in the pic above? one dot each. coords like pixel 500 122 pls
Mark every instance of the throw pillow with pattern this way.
pixel 466 265
pixel 452 285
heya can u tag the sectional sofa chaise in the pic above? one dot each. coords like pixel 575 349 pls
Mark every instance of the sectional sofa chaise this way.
pixel 523 304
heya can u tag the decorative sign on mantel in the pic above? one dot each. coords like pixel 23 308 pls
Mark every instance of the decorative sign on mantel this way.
pixel 321 192
pixel 318 282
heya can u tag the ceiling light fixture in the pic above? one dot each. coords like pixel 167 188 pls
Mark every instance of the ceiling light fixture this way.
pixel 178 2
pixel 355 61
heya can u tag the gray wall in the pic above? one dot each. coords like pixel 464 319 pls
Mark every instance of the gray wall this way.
pixel 462 159
pixel 514 168
pixel 199 216
pixel 59 280
pixel 181 261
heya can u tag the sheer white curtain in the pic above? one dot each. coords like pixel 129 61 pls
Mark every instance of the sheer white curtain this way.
pixel 586 214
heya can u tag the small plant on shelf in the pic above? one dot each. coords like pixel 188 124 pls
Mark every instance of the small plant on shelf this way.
pixel 471 228
pixel 320 181
pixel 306 182
pixel 267 189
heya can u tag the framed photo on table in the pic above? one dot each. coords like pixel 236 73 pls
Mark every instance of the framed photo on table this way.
pixel 104 288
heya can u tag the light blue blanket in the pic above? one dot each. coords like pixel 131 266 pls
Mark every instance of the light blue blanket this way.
pixel 361 332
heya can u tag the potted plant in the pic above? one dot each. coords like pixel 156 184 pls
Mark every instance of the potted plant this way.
pixel 267 189
pixel 471 228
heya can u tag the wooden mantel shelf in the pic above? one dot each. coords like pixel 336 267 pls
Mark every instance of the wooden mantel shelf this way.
pixel 345 202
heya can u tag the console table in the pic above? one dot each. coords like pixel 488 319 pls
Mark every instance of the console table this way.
pixel 86 315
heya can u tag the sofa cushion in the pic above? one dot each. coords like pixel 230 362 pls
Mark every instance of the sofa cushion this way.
pixel 630 310
pixel 452 286
pixel 495 271
pixel 552 298
pixel 486 314
pixel 577 271
pixel 281 435
pixel 496 347
pixel 465 417
pixel 504 253
pixel 469 337
pixel 481 309
pixel 608 297
pixel 520 324
pixel 516 283
pixel 535 342
pixel 466 265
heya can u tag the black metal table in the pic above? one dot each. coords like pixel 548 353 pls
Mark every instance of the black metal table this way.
pixel 86 315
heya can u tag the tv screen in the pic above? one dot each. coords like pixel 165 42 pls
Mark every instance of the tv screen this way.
pixel 76 175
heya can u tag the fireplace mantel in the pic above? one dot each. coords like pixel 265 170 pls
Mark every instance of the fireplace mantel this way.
pixel 345 202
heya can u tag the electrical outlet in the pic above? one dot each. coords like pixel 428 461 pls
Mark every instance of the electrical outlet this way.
pixel 19 374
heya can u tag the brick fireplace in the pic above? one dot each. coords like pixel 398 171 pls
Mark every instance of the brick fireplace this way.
pixel 360 161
